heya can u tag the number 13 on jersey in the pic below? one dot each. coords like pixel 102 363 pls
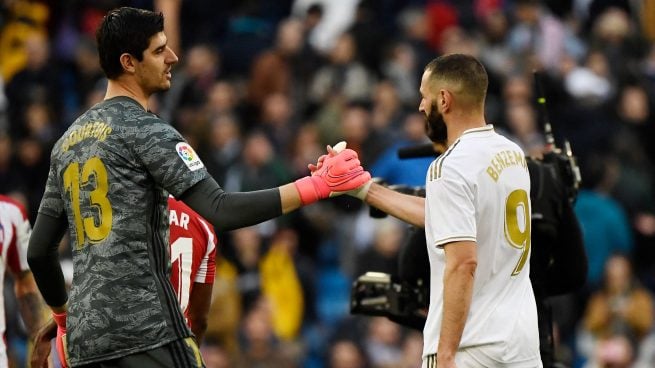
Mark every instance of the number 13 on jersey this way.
pixel 96 229
pixel 517 225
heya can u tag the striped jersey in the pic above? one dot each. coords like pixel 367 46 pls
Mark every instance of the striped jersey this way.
pixel 110 175
pixel 192 250
pixel 14 236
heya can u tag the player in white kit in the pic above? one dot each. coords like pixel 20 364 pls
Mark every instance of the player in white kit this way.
pixel 476 215
pixel 478 200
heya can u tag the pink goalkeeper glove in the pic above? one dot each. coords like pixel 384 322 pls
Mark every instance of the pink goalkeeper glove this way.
pixel 338 173
pixel 60 319
pixel 358 192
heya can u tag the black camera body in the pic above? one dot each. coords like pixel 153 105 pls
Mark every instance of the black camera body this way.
pixel 377 294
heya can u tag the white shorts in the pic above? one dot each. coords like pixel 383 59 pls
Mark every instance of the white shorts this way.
pixel 479 357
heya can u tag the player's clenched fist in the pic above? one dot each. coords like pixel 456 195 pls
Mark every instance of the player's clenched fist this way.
pixel 337 173
pixel 359 191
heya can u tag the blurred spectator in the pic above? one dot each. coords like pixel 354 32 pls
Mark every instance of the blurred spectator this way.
pixel 590 83
pixel 346 354
pixel 9 178
pixel 247 245
pixel 614 34
pixel 400 67
pixel 86 74
pixel 496 56
pixel 382 254
pixel 616 351
pixel 274 71
pixel 225 311
pixel 523 128
pixel 387 112
pixel 368 34
pixel 538 39
pixel 32 171
pixel 414 26
pixel 605 225
pixel 282 286
pixel 23 21
pixel 343 77
pixel 306 147
pixel 636 183
pixel 36 82
pixel 619 315
pixel 40 124
pixel 456 40
pixel 336 17
pixel 249 30
pixel 258 168
pixel 190 88
pixel 278 123
pixel 383 343
pixel 222 148
pixel 632 145
pixel 222 99
pixel 216 356
pixel 441 15
pixel 260 346
pixel 357 130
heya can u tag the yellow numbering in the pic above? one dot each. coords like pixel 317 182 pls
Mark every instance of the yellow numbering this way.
pixel 93 228
pixel 517 225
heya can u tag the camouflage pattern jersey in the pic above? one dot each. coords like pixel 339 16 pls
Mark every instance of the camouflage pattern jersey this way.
pixel 109 174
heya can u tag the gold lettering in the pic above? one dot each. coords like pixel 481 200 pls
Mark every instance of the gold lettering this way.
pixel 519 158
pixel 74 137
pixel 94 130
pixel 496 164
pixel 501 160
pixel 87 130
pixel 105 133
pixel 493 173
pixel 510 158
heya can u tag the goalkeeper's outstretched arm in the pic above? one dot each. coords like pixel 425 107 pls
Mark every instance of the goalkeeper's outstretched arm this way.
pixel 227 211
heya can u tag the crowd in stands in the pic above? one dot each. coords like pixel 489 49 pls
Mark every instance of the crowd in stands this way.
pixel 262 87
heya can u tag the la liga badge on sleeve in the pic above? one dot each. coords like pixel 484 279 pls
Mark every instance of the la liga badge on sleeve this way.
pixel 189 156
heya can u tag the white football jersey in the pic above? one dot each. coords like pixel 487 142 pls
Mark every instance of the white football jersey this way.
pixel 479 190
pixel 15 231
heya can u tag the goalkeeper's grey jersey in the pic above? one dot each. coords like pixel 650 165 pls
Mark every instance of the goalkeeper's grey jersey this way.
pixel 109 175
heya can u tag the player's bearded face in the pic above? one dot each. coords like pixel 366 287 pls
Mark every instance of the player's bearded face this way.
pixel 435 126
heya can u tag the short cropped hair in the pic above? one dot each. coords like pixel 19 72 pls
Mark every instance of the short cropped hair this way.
pixel 125 30
pixel 462 70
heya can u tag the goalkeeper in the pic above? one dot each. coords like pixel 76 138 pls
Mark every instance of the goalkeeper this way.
pixel 110 175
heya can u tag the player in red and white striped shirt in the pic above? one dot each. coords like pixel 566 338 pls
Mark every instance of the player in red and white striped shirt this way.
pixel 193 253
pixel 14 235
